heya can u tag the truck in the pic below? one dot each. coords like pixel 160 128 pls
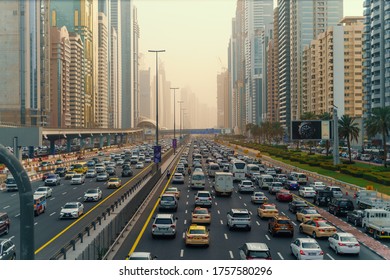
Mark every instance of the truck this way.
pixel 368 199
pixel 223 184
pixel 377 222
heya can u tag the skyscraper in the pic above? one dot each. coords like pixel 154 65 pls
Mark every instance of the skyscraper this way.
pixel 101 112
pixel 144 93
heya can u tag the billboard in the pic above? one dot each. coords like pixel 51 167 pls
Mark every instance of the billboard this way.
pixel 311 130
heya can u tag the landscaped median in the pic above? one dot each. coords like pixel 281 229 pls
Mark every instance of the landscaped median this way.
pixel 362 176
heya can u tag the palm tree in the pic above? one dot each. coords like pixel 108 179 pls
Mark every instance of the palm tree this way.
pixel 326 116
pixel 349 131
pixel 379 123
pixel 249 128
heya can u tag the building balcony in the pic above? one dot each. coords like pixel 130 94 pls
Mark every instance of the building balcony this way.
pixel 387 16
pixel 376 41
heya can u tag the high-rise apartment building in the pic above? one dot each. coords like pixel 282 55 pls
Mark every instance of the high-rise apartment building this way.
pixel 308 18
pixel 144 93
pixel 20 69
pixel 135 69
pixel 102 105
pixel 376 54
pixel 78 16
pixel 332 70
pixel 60 61
pixel 223 112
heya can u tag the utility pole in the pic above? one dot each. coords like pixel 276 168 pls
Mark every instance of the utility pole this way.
pixel 174 142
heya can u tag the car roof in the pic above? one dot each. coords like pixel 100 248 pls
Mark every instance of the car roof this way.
pixel 256 246
pixel 345 234
pixel 240 210
pixel 164 216
pixel 195 226
pixel 140 254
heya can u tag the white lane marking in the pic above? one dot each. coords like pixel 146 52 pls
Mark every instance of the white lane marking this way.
pixel 13 194
pixel 181 253
pixel 186 202
pixel 17 215
pixel 221 222
pixel 5 207
pixel 293 223
pixel 231 254
pixel 280 255
pixel 218 212
pixel 240 197
pixel 257 222
pixel 266 236
pixel 184 235
pixel 216 203
pixel 226 237
pixel 244 204
pixel 185 222
pixel 64 193
pixel 52 198
pixel 283 214
pixel 188 196
pixel 52 214
pixel 330 256
pixel 186 211
pixel 35 223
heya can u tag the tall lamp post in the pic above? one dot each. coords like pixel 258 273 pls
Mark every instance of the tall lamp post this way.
pixel 182 122
pixel 157 158
pixel 336 156
pixel 180 102
pixel 174 142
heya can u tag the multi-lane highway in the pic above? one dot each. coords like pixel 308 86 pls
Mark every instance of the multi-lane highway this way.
pixel 224 244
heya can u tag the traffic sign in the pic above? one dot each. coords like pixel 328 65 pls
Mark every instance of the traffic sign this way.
pixel 157 154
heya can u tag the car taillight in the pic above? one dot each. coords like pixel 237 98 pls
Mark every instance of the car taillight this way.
pixel 322 230
pixel 173 226
pixel 249 258
pixel 154 226
pixel 302 252
pixel 341 244
pixel 357 245
pixel 195 216
pixel 321 253
pixel 209 198
pixel 307 217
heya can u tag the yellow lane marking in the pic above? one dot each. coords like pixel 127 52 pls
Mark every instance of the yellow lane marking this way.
pixel 93 208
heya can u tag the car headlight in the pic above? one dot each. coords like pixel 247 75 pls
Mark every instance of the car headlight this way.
pixel 74 212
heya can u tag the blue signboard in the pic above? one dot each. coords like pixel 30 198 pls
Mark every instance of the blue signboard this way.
pixel 157 154
pixel 174 143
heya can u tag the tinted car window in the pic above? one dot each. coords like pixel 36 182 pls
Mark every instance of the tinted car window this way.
pixel 163 221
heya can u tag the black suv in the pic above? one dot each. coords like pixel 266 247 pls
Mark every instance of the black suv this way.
pixel 322 198
pixel 340 206
pixel 4 223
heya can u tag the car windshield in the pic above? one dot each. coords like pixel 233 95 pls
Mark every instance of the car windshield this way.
pixel 200 211
pixel 70 206
pixel 268 180
pixel 310 211
pixel 322 224
pixel 167 198
pixel 310 245
pixel 51 176
pixel 258 254
pixel 247 183
pixel 162 221
pixel 300 203
pixel 41 189
pixel 92 191
pixel 348 239
pixel 284 222
pixel 269 207
pixel 241 215
pixel 197 231
pixel 345 203
pixel 76 176
pixel 114 180
pixel 197 177
pixel 203 195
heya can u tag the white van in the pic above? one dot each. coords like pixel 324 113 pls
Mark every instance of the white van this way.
pixel 266 181
pixel 251 169
pixel 198 180
pixel 301 178
pixel 223 183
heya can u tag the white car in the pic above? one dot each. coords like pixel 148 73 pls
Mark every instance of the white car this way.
pixel 91 173
pixel 318 185
pixel 46 191
pixel 178 178
pixel 307 192
pixel 246 186
pixel 344 243
pixel 93 194
pixel 72 210
pixel 77 179
pixel 139 165
pixel 306 249
pixel 259 197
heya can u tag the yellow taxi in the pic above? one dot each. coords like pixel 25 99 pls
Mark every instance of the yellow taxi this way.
pixel 201 215
pixel 317 228
pixel 114 183
pixel 197 235
pixel 267 210
pixel 69 175
pixel 174 191
pixel 309 213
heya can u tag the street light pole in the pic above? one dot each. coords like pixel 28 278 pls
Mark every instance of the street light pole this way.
pixel 180 102
pixel 174 118
pixel 156 51
pixel 336 156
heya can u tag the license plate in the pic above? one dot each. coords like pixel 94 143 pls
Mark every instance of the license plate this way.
pixel 312 254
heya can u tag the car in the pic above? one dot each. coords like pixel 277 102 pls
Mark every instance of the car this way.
pixel 69 175
pixel 340 206
pixel 344 243
pixel 239 218
pixel 46 191
pixel 306 192
pixel 295 205
pixel 355 217
pixel 317 228
pixel 259 197
pixel 72 210
pixel 275 187
pixel 267 210
pixel 292 185
pixel 174 191
pixel 178 178
pixel 200 215
pixel 103 176
pixel 168 202
pixel 114 183
pixel 100 167
pixel 246 186
pixel 284 195
pixel 110 171
pixel 141 256
pixel 322 198
pixel 164 225
pixel 58 161
pixel 53 180
pixel 10 184
pixel 306 249
pixel 203 198
pixel 45 175
pixel 148 160
pixel 7 249
pixel 5 223
pixel 139 165
pixel 61 171
pixel 336 191
pixel 280 224
pixel 127 171
pixel 91 173
pixel 307 213
pixel 94 194
pixel 197 235
pixel 317 186
pixel 77 179
pixel 255 251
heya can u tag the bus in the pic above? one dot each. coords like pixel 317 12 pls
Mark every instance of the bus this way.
pixel 198 180
pixel 239 169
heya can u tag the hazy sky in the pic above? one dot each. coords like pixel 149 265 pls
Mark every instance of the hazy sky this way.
pixel 195 35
